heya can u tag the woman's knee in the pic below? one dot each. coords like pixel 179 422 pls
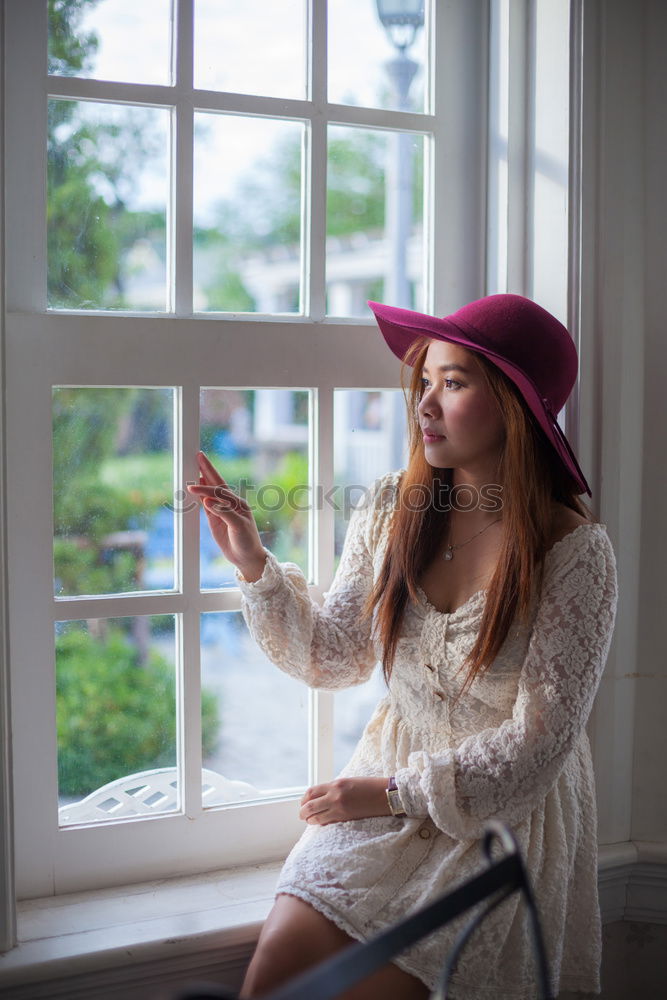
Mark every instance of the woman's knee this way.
pixel 275 961
pixel 294 938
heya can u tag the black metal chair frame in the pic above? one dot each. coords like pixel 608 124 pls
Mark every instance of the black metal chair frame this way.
pixel 501 879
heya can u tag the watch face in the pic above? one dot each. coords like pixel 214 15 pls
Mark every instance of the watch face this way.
pixel 395 803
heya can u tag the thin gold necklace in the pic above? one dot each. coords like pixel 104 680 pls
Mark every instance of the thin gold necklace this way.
pixel 449 551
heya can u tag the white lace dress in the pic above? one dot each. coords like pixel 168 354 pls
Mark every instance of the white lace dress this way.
pixel 514 748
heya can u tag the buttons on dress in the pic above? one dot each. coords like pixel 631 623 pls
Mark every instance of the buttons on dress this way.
pixel 429 666
pixel 424 833
pixel 440 695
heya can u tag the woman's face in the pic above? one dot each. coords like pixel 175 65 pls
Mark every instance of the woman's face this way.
pixel 461 421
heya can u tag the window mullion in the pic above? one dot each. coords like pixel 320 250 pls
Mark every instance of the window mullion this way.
pixel 322 702
pixel 190 647
pixel 182 173
pixel 315 227
pixel 111 91
pixel 316 177
pixel 189 712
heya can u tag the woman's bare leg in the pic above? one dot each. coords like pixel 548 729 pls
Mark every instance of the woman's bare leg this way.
pixel 295 937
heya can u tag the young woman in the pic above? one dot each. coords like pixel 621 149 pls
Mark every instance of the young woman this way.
pixel 488 592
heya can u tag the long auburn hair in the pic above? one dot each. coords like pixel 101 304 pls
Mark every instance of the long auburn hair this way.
pixel 531 477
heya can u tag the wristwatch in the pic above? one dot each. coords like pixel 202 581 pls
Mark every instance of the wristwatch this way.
pixel 394 798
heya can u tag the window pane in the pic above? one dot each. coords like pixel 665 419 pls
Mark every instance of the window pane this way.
pixel 375 211
pixel 108 172
pixel 113 483
pixel 116 718
pixel 498 191
pixel 254 717
pixel 353 708
pixel 110 39
pixel 258 441
pixel 365 67
pixel 370 439
pixel 247 214
pixel 252 47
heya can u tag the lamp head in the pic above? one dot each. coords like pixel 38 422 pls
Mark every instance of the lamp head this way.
pixel 401 20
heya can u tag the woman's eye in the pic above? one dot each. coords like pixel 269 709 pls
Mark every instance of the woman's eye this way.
pixel 449 383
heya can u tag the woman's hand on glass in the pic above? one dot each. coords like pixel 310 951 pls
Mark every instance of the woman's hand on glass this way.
pixel 231 521
pixel 344 799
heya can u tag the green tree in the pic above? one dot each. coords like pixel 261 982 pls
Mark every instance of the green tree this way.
pixel 70 50
pixel 355 184
pixel 265 210
pixel 85 425
pixel 91 167
pixel 85 510
pixel 113 718
pixel 266 207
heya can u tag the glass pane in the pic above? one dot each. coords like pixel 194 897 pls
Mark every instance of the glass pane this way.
pixel 108 184
pixel 252 47
pixel 116 718
pixel 111 39
pixel 258 441
pixel 370 439
pixel 375 211
pixel 551 159
pixel 353 708
pixel 247 214
pixel 113 482
pixel 254 717
pixel 498 192
pixel 367 67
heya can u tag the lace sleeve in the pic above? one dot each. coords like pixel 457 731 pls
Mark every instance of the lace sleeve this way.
pixel 327 646
pixel 503 773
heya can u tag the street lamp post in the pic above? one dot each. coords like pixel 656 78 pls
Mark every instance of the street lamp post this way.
pixel 401 19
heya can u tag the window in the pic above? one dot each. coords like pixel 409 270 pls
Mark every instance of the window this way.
pixel 528 153
pixel 194 234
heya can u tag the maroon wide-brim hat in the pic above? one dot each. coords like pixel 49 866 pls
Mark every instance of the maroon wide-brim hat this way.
pixel 521 338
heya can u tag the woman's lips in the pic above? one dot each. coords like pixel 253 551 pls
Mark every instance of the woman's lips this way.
pixel 430 437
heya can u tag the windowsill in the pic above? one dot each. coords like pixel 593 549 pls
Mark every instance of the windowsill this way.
pixel 69 935
pixel 221 912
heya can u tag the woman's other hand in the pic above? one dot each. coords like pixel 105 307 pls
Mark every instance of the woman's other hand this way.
pixel 345 799
pixel 231 521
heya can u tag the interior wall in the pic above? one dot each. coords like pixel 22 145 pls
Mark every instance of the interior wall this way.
pixel 7 917
pixel 612 362
pixel 624 363
pixel 649 805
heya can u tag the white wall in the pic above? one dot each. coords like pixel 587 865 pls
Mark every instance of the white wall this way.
pixel 649 806
pixel 611 361
pixel 624 436
pixel 7 920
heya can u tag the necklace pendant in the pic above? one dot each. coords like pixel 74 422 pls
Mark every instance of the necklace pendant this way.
pixel 449 554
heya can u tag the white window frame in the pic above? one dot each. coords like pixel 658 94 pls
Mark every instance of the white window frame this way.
pixel 46 348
